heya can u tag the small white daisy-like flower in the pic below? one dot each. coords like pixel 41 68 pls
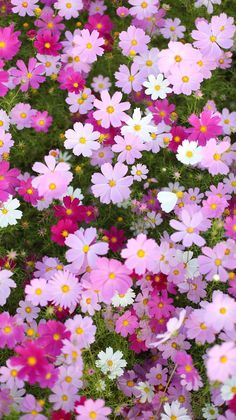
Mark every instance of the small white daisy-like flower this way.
pixel 228 389
pixel 157 86
pixel 139 172
pixel 139 126
pixel 174 411
pixel 82 139
pixel 6 284
pixel 111 363
pixel 189 153
pixel 146 392
pixel 9 213
pixel 210 412
pixel 123 300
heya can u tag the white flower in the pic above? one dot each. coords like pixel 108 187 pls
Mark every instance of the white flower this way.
pixel 228 389
pixel 4 120
pixel 82 139
pixel 8 212
pixel 77 193
pixel 174 411
pixel 210 412
pixel 157 87
pixel 189 152
pixel 207 3
pixel 152 219
pixel 139 126
pixel 111 363
pixel 173 325
pixel 6 283
pixel 139 172
pixel 146 391
pixel 123 300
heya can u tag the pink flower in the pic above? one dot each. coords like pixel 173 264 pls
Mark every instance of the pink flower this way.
pixel 21 115
pixel 84 248
pixel 23 8
pixel 206 126
pixel 37 292
pixel 71 80
pixel 212 157
pixel 93 409
pixel 48 21
pixel 133 41
pixel 112 185
pixel 82 330
pixel 211 37
pixel 221 362
pixel 11 332
pixel 9 42
pixel 128 147
pixel 141 254
pixel 26 190
pixel 216 261
pixel 126 324
pixel 221 312
pixel 30 405
pixel 102 23
pixel 173 29
pixel 185 79
pixel 53 179
pixel 41 121
pixel 129 79
pixel 51 334
pixel 64 289
pixel 188 228
pixel 230 227
pixel 28 76
pixel 109 277
pixel 89 45
pixel 111 109
pixel 8 180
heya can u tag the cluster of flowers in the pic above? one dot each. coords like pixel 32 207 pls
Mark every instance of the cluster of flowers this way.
pixel 166 287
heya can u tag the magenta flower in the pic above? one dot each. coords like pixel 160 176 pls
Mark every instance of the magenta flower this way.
pixel 71 80
pixel 9 42
pixel 3 81
pixel 230 227
pixel 41 121
pixel 111 109
pixel 28 192
pixel 112 185
pixel 102 23
pixel 221 362
pixel 206 126
pixel 53 179
pixel 141 254
pixel 47 43
pixel 51 334
pixel 109 277
pixel 30 76
pixel 8 180
pixel 188 228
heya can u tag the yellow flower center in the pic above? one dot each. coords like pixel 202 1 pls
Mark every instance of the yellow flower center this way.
pixel 141 253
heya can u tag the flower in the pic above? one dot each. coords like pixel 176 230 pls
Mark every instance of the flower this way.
pixel 221 362
pixel 207 3
pixel 82 139
pixel 9 213
pixel 6 284
pixel 212 157
pixel 109 277
pixel 27 77
pixel 139 126
pixel 63 397
pixel 89 45
pixel 24 8
pixel 61 230
pixel 133 41
pixel 37 292
pixel 128 147
pixel 9 42
pixel 71 80
pixel 189 153
pixel 21 115
pixel 30 407
pixel 205 127
pixel 221 312
pixel 47 43
pixel 48 20
pixel 173 29
pixel 53 179
pixel 11 330
pixel 157 87
pixel 174 411
pixel 140 254
pixel 111 363
pixel 112 185
pixel 82 330
pixel 64 289
pixel 188 228
pixel 84 248
pixel 68 9
pixel 41 121
pixel 173 325
pixel 146 390
pixel 228 389
pixel 93 410
pixel 110 110
pixel 126 324
pixel 185 79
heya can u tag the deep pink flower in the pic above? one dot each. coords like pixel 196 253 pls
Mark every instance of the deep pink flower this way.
pixel 115 238
pixel 179 134
pixel 32 360
pixel 8 180
pixel 9 42
pixel 102 23
pixel 71 80
pixel 11 330
pixel 47 43
pixel 161 111
pixel 61 230
pixel 51 336
pixel 160 305
pixel 206 126
pixel 41 121
pixel 28 76
pixel 126 324
pixel 3 80
pixel 28 192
